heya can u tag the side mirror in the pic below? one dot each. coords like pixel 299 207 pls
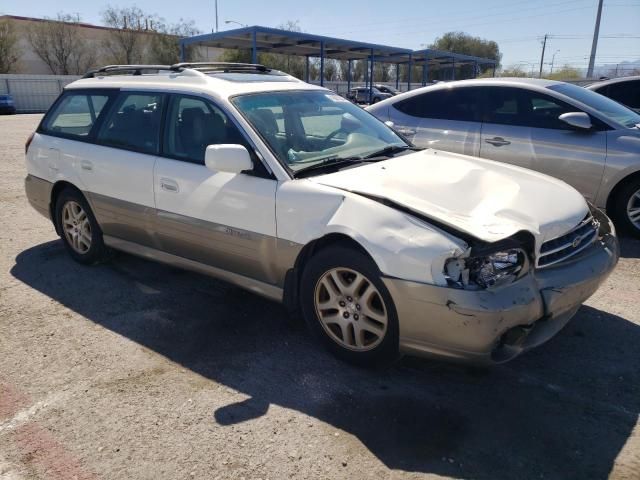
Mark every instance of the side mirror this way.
pixel 227 158
pixel 579 120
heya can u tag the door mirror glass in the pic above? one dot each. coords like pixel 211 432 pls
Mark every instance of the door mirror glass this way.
pixel 578 120
pixel 228 158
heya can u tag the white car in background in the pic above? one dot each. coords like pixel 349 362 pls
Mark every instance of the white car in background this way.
pixel 292 192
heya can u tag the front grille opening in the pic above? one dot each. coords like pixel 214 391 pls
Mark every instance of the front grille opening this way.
pixel 561 248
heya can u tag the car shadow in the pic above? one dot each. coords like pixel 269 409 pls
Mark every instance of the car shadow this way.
pixel 629 247
pixel 564 410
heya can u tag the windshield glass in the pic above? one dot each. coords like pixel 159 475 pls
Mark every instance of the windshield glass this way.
pixel 307 128
pixel 609 108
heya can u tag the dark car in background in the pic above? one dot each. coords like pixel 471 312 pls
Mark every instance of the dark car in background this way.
pixel 386 89
pixel 6 104
pixel 625 90
pixel 361 95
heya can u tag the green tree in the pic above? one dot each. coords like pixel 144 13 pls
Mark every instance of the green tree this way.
pixel 9 53
pixel 165 42
pixel 460 42
pixel 565 73
pixel 514 71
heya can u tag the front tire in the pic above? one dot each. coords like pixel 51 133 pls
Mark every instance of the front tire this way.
pixel 627 208
pixel 346 304
pixel 78 228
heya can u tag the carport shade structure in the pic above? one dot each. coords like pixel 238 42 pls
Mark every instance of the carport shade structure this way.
pixel 285 42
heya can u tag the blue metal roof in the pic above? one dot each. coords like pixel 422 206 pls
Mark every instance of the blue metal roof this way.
pixel 266 39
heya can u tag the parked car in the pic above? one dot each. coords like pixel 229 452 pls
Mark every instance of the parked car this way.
pixel 292 192
pixel 625 90
pixel 361 95
pixel 563 130
pixel 6 104
pixel 386 89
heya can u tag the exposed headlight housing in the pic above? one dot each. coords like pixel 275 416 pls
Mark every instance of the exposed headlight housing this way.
pixel 486 270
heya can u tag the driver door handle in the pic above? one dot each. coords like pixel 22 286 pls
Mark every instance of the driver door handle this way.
pixel 498 141
pixel 169 185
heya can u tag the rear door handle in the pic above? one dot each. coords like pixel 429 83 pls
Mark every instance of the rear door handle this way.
pixel 86 165
pixel 169 185
pixel 498 141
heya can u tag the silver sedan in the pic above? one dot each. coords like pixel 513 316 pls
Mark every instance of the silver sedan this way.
pixel 566 131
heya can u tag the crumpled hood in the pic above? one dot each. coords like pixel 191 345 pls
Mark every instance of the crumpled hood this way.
pixel 483 198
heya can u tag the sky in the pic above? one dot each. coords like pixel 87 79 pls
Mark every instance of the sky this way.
pixel 518 25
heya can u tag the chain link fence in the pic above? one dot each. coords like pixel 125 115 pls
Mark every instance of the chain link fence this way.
pixel 34 93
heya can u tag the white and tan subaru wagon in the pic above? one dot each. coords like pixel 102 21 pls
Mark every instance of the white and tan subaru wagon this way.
pixel 296 194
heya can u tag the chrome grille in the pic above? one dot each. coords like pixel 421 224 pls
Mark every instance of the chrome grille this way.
pixel 561 248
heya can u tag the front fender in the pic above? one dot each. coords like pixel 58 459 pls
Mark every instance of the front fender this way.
pixel 401 245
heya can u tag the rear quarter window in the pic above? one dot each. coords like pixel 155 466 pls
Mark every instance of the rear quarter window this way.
pixel 75 114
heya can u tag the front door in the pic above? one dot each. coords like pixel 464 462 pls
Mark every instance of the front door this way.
pixel 221 219
pixel 521 127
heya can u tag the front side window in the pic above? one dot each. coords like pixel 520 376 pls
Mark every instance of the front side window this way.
pixel 75 115
pixel 523 108
pixel 461 104
pixel 134 123
pixel 309 127
pixel 192 125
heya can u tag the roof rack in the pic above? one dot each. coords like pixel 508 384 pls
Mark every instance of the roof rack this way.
pixel 221 66
pixel 179 67
pixel 136 69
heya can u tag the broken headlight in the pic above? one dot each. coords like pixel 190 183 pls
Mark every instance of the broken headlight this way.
pixel 486 270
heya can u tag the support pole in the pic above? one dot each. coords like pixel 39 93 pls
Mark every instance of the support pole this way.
pixel 254 48
pixel 306 69
pixel 371 79
pixel 182 52
pixel 409 65
pixel 424 72
pixel 397 76
pixel 453 68
pixel 475 69
pixel 544 46
pixel 494 70
pixel 349 62
pixel 594 44
pixel 322 64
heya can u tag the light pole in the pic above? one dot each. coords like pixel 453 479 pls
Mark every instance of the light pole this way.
pixel 553 58
pixel 237 23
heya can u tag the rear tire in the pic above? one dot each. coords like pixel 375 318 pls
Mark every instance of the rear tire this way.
pixel 346 304
pixel 79 230
pixel 626 208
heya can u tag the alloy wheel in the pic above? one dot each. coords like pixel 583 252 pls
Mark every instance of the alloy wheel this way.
pixel 351 309
pixel 633 209
pixel 76 227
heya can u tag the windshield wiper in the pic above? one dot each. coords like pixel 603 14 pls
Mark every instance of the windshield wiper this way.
pixel 391 149
pixel 328 162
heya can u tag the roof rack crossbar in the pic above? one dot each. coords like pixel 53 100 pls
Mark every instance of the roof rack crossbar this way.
pixel 212 66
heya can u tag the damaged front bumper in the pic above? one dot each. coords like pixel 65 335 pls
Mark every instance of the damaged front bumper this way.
pixel 493 326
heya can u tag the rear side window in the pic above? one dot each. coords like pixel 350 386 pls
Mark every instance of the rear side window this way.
pixel 461 104
pixel 134 123
pixel 75 115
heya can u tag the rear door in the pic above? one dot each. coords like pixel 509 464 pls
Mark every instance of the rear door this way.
pixel 118 171
pixel 221 219
pixel 521 127
pixel 445 119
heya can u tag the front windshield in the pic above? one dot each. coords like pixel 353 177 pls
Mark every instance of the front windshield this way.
pixel 609 108
pixel 305 128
